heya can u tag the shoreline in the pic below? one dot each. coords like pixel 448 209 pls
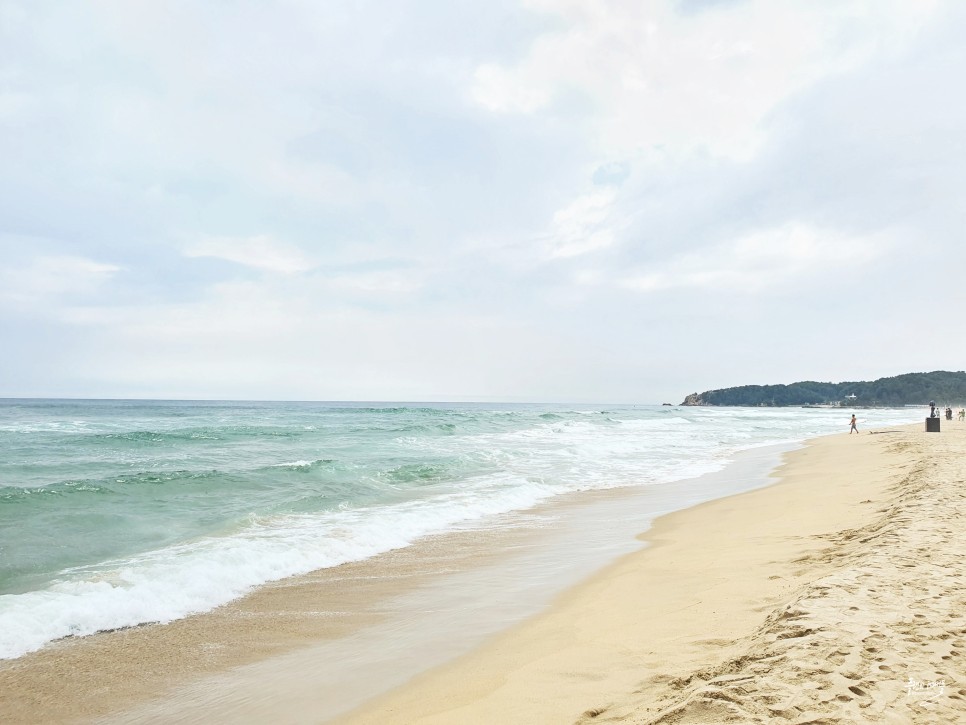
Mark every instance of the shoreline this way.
pixel 605 645
pixel 834 595
pixel 291 625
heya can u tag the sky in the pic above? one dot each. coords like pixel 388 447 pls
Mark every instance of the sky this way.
pixel 511 200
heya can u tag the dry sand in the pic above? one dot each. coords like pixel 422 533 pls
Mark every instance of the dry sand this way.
pixel 835 596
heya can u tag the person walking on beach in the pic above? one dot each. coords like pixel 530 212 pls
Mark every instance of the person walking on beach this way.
pixel 854 428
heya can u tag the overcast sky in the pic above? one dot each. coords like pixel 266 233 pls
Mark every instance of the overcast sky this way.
pixel 543 200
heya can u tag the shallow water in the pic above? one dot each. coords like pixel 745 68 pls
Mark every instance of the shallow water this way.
pixel 114 513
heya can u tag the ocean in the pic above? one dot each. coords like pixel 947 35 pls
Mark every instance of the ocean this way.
pixel 118 513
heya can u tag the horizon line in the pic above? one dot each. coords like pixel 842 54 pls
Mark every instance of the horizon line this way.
pixel 340 402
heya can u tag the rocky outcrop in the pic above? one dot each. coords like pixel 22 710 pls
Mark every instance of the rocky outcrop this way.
pixel 693 399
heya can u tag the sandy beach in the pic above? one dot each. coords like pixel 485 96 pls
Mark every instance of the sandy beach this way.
pixel 834 595
pixel 470 363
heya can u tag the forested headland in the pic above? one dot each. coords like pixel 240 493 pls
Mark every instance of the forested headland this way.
pixel 945 388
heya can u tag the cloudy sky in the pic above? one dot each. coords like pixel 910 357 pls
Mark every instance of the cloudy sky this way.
pixel 546 200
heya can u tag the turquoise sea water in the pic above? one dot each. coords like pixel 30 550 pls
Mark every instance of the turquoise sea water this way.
pixel 114 513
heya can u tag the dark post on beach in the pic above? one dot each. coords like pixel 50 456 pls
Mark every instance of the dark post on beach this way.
pixel 932 422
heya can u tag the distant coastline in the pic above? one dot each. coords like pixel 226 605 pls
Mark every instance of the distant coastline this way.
pixel 942 387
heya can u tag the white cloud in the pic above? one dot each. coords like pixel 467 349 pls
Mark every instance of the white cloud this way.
pixel 657 78
pixel 497 90
pixel 257 335
pixel 258 252
pixel 760 261
pixel 51 279
pixel 370 284
pixel 585 225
